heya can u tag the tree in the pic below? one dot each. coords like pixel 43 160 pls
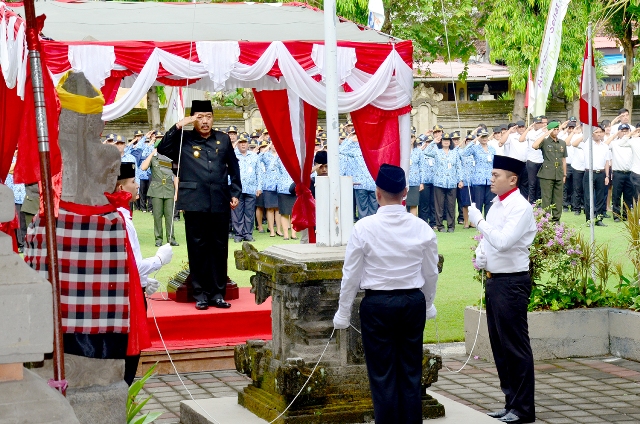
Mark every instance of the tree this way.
pixel 153 109
pixel 514 31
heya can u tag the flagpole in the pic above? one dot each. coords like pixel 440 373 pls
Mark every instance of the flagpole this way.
pixel 590 138
pixel 42 130
pixel 331 83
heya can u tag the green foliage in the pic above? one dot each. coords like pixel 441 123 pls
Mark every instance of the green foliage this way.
pixel 162 96
pixel 514 30
pixel 134 407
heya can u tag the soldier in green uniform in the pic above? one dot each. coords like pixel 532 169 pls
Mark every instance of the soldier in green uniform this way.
pixel 162 192
pixel 553 171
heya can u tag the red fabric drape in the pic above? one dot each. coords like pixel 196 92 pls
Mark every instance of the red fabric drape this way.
pixel 9 228
pixel 379 136
pixel 274 108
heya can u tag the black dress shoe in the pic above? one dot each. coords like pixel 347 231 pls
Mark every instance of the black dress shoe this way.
pixel 600 224
pixel 450 230
pixel 174 243
pixel 616 219
pixel 498 414
pixel 514 419
pixel 219 303
pixel 202 305
pixel 577 212
pixel 158 243
pixel 606 215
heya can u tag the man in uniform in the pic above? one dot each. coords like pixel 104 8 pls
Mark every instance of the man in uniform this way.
pixel 206 196
pixel 162 193
pixel 534 157
pixel 622 160
pixel 623 118
pixel 232 132
pixel 393 256
pixel 554 168
pixel 251 178
pixel 503 252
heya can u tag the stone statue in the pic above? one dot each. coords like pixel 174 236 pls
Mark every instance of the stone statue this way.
pixel 485 91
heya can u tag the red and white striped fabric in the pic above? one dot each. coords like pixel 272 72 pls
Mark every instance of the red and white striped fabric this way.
pixel 94 274
pixel 589 88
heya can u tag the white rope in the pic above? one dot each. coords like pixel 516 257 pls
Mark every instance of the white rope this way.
pixel 453 82
pixel 189 392
pixel 474 341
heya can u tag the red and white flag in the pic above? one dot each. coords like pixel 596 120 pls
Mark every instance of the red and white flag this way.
pixel 175 108
pixel 589 97
pixel 529 99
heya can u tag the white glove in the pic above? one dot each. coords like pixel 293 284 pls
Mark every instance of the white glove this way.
pixel 475 216
pixel 152 286
pixel 481 258
pixel 340 322
pixel 432 312
pixel 165 253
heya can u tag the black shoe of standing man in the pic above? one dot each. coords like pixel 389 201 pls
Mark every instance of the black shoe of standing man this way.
pixel 219 303
pixel 512 418
pixel 202 305
pixel 498 414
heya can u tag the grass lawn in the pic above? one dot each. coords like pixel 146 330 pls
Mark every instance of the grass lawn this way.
pixel 456 287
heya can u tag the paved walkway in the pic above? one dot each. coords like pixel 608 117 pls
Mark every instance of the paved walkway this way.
pixel 591 390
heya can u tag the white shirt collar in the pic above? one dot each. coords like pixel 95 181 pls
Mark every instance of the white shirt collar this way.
pixel 391 209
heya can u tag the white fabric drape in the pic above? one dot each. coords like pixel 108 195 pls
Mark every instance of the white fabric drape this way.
pixel 13 52
pixel 94 61
pixel 346 60
pixel 389 88
pixel 404 125
pixel 297 125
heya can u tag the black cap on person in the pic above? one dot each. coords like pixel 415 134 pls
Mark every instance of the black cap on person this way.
pixel 198 106
pixel 127 170
pixel 321 157
pixel 391 178
pixel 508 164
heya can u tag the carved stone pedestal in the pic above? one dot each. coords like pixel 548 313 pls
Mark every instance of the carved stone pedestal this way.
pixel 304 283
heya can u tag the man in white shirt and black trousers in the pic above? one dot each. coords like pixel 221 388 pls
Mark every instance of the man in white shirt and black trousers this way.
pixel 503 252
pixel 393 256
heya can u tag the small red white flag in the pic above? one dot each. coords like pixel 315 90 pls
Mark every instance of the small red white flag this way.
pixel 530 98
pixel 589 88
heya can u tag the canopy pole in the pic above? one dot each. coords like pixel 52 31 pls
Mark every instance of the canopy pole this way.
pixel 33 44
pixel 590 129
pixel 331 82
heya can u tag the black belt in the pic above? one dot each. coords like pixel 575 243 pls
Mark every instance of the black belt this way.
pixel 506 274
pixel 597 171
pixel 622 172
pixel 368 292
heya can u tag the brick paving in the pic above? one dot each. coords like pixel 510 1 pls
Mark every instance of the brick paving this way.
pixel 580 390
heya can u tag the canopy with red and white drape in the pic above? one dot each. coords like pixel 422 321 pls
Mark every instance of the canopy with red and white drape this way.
pixel 286 76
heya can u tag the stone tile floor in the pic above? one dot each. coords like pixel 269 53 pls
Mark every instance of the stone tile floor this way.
pixel 589 390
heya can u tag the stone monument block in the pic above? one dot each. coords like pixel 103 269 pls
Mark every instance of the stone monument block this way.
pixel 304 283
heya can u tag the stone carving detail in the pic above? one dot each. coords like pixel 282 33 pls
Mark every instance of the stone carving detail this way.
pixel 422 93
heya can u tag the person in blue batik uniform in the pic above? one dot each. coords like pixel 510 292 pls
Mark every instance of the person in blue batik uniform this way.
pixel 483 155
pixel 19 193
pixel 269 159
pixel 426 210
pixel 447 178
pixel 251 178
pixel 416 169
pixel 462 194
pixel 363 183
pixel 285 200
pixel 141 147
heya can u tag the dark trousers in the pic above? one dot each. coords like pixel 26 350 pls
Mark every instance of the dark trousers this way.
pixel 144 202
pixel 622 191
pixel 243 215
pixel 577 200
pixel 507 300
pixel 599 193
pixel 162 208
pixel 567 191
pixel 131 362
pixel 392 324
pixel 523 183
pixel 482 197
pixel 425 208
pixel 208 249
pixel 445 206
pixel 366 202
pixel 635 180
pixel 552 195
pixel 21 232
pixel 534 183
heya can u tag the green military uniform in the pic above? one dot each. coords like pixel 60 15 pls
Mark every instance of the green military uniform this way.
pixel 31 204
pixel 161 191
pixel 551 174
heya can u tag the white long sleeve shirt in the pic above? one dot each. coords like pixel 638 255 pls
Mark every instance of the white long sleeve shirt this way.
pixel 534 155
pixel 507 234
pixel 516 149
pixel 634 143
pixel 601 154
pixel 390 250
pixel 147 265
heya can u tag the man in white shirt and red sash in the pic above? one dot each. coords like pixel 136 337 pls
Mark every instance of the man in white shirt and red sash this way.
pixel 393 256
pixel 503 252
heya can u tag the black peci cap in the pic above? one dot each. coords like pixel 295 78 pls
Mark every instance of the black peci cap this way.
pixel 391 178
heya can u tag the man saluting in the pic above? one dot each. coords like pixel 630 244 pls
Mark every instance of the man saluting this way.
pixel 503 251
pixel 207 163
